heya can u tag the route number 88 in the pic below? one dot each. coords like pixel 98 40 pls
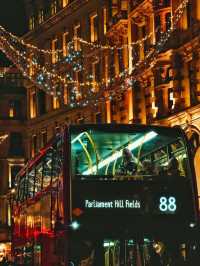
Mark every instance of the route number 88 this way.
pixel 167 204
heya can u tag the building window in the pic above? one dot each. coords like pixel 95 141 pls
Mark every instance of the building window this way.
pixel 94 28
pixel 65 96
pixel 80 76
pixel 40 16
pixel 53 7
pixel 124 4
pixel 114 7
pixel 193 85
pixel 33 103
pixel 121 60
pixel 44 138
pixel 158 27
pixel 105 16
pixel 14 108
pixel 65 43
pixel 31 23
pixel 16 144
pixel 13 171
pixel 96 71
pixel 171 99
pixel 77 34
pixel 54 48
pixel 168 21
pixel 99 118
pixel 56 103
pixel 189 13
pixel 11 110
pixel 65 3
pixel 33 146
pixel 41 102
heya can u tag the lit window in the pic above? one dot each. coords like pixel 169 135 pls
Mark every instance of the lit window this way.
pixel 53 8
pixel 106 68
pixel 124 5
pixel 31 23
pixel 94 28
pixel 65 3
pixel 114 7
pixel 65 43
pixel 40 16
pixel 54 47
pixel 104 20
pixel 77 34
pixel 56 103
pixel 65 95
pixel 11 111
pixel 33 103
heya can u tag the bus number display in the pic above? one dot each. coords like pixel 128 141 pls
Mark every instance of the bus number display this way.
pixel 167 204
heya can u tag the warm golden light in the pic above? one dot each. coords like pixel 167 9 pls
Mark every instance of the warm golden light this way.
pixel 56 103
pixel 11 112
pixel 33 104
pixel 65 41
pixel 104 20
pixel 65 3
pixel 94 28
pixel 54 47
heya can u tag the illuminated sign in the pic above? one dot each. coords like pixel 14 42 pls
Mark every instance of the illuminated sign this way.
pixel 123 203
pixel 167 204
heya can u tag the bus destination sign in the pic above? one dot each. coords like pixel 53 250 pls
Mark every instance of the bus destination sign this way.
pixel 113 204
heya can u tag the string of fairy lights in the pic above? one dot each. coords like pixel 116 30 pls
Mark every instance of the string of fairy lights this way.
pixel 75 39
pixel 48 77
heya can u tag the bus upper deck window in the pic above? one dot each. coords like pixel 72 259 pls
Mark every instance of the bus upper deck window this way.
pixel 120 154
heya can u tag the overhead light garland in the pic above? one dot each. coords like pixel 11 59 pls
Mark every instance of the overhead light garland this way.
pixel 15 39
pixel 54 83
pixel 81 40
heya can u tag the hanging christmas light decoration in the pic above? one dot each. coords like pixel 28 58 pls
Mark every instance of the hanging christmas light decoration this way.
pixel 48 78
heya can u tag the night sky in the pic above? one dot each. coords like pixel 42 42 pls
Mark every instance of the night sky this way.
pixel 12 16
pixel 13 19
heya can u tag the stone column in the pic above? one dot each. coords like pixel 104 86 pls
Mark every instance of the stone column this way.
pixel 185 84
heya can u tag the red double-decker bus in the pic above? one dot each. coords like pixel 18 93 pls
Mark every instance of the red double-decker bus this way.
pixel 107 195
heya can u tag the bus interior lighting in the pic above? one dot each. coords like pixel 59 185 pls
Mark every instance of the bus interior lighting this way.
pixel 108 244
pixel 78 137
pixel 149 136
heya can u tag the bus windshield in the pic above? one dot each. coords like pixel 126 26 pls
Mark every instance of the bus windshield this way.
pixel 136 154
